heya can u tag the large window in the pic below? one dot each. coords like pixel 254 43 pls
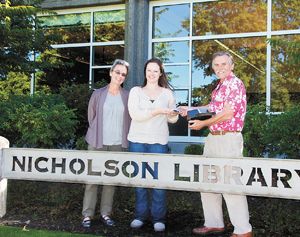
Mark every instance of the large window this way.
pixel 85 45
pixel 185 34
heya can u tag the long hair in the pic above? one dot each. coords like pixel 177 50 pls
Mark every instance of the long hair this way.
pixel 163 80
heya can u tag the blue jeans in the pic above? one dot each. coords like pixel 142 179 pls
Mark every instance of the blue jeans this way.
pixel 158 207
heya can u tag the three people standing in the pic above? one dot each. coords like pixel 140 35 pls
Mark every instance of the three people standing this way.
pixel 151 108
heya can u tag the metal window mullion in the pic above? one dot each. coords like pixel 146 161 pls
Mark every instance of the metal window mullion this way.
pixel 190 60
pixel 72 45
pixel 150 32
pixel 100 67
pixel 228 36
pixel 91 79
pixel 108 43
pixel 285 32
pixel 176 64
pixel 269 55
pixel 209 37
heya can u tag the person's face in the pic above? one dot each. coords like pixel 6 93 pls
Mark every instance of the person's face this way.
pixel 222 66
pixel 152 72
pixel 118 74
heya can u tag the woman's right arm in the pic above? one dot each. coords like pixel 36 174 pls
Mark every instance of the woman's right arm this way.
pixel 135 109
pixel 92 108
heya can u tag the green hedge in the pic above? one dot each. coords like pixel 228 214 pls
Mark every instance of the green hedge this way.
pixel 272 135
pixel 42 121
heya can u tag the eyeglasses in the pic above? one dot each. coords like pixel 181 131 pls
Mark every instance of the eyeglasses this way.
pixel 119 73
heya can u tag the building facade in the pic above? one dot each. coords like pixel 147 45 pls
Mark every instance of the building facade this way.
pixel 183 34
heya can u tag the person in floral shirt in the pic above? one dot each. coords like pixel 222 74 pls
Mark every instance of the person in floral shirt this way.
pixel 225 139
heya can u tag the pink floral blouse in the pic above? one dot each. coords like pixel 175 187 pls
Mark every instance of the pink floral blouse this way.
pixel 232 91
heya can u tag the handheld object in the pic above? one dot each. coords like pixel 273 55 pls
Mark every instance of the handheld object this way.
pixel 200 114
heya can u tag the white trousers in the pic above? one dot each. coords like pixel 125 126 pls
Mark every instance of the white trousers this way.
pixel 229 145
pixel 91 192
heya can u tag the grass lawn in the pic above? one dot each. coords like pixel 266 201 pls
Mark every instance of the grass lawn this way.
pixel 8 231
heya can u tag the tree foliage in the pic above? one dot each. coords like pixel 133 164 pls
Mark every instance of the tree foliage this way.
pixel 20 39
pixel 42 121
pixel 17 83
pixel 255 126
pixel 272 135
pixel 283 134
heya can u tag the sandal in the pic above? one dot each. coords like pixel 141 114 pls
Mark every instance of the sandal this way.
pixel 86 223
pixel 107 220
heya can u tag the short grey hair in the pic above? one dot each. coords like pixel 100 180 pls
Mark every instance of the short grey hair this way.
pixel 222 53
pixel 119 62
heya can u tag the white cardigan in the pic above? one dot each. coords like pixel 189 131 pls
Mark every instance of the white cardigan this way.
pixel 146 128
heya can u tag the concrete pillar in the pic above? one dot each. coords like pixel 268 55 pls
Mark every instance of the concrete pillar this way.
pixel 136 40
pixel 4 143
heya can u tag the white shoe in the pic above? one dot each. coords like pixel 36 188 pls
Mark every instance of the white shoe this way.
pixel 159 227
pixel 136 224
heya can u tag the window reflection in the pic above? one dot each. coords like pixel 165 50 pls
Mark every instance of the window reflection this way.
pixel 172 52
pixel 109 26
pixel 178 75
pixel 285 86
pixel 285 15
pixel 250 62
pixel 227 17
pixel 105 55
pixel 180 128
pixel 101 77
pixel 171 21
pixel 73 28
pixel 182 97
pixel 71 67
pixel 73 64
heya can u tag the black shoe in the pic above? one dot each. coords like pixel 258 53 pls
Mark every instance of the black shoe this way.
pixel 107 220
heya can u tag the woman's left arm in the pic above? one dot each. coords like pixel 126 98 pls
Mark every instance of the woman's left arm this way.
pixel 172 116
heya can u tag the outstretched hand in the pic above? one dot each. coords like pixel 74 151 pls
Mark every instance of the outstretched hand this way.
pixel 197 124
pixel 183 110
pixel 166 111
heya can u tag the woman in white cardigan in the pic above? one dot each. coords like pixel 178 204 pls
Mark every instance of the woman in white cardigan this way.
pixel 151 107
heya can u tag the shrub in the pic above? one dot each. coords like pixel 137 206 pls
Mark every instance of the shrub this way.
pixel 273 135
pixel 42 121
pixel 194 149
pixel 283 134
pixel 255 127
pixel 77 98
pixel 81 144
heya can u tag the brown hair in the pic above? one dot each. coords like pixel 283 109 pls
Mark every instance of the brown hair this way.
pixel 163 80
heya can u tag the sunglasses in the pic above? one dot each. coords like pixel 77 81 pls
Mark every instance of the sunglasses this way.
pixel 119 73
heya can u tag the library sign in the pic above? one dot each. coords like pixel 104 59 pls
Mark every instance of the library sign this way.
pixel 251 176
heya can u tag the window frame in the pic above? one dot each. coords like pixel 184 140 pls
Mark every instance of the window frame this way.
pixel 268 34
pixel 90 44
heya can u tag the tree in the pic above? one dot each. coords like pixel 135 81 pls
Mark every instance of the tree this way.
pixel 18 83
pixel 20 39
